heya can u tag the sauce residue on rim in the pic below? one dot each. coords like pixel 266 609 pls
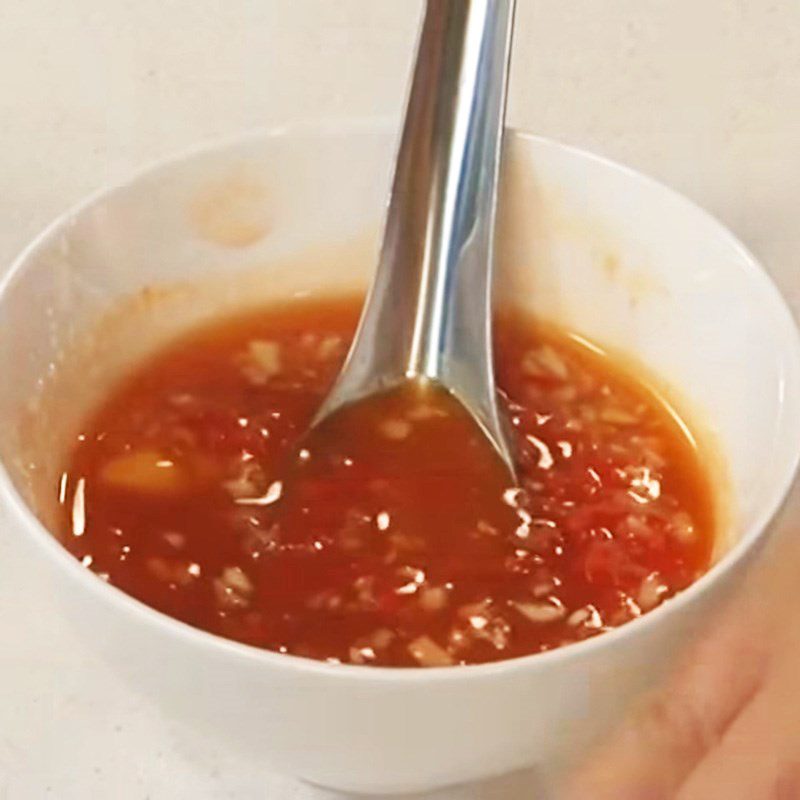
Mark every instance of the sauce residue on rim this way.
pixel 390 536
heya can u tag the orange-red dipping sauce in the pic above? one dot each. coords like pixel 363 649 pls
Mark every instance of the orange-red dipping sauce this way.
pixel 391 535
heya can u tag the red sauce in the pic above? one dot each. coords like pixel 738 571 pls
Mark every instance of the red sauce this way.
pixel 390 535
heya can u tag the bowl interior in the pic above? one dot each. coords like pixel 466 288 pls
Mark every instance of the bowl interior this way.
pixel 593 246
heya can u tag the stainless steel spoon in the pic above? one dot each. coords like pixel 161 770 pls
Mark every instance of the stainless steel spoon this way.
pixel 428 313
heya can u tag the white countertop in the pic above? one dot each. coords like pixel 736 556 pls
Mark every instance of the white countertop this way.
pixel 704 96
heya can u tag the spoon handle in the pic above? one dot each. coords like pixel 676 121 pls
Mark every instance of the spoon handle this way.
pixel 428 312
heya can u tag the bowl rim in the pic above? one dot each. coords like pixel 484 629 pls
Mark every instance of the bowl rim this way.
pixel 219 646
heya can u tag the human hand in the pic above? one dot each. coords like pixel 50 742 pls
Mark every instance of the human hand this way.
pixel 727 725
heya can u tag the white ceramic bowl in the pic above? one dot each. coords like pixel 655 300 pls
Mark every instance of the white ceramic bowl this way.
pixel 599 248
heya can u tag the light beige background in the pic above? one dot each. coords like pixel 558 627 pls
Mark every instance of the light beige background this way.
pixel 703 94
